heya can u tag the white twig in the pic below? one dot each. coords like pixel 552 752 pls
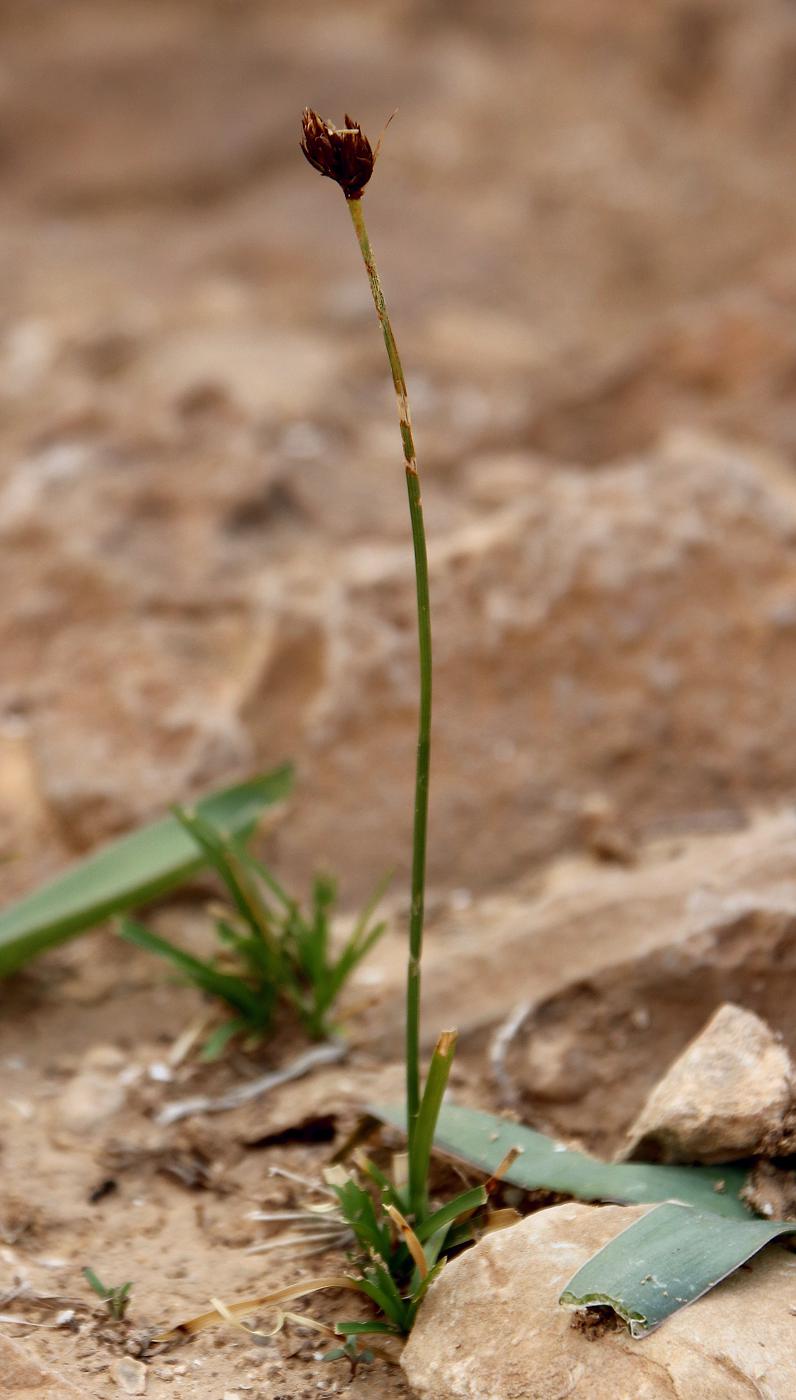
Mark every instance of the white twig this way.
pixel 499 1049
pixel 327 1054
pixel 328 1239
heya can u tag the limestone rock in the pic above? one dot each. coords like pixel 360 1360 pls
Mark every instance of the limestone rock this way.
pixel 22 1376
pixel 627 633
pixel 728 1095
pixel 491 1327
pixel 587 640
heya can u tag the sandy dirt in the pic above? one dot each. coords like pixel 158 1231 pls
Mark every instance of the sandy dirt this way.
pixel 584 217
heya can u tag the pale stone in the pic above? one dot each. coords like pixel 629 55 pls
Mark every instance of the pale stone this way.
pixel 130 1375
pixel 491 1327
pixel 728 1095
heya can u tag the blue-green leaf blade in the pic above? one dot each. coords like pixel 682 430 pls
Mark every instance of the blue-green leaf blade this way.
pixel 666 1260
pixel 128 872
pixel 483 1139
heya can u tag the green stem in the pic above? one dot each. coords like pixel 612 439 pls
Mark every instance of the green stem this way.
pixel 424 721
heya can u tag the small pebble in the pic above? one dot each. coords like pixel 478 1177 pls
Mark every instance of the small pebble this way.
pixel 160 1073
pixel 130 1375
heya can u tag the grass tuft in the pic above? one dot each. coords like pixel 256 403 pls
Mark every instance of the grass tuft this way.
pixel 272 953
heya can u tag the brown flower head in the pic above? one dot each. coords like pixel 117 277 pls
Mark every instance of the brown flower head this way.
pixel 344 155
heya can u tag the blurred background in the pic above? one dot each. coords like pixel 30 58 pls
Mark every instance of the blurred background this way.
pixel 584 216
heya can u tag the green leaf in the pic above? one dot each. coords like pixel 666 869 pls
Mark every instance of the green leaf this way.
pixel 349 959
pixel 422 1289
pixel 128 872
pixel 358 1211
pixel 219 854
pixel 218 1041
pixel 466 1202
pixel 225 985
pixel 483 1139
pixel 380 1286
pixel 96 1283
pixel 425 1126
pixel 389 1195
pixel 364 1329
pixel 667 1259
pixel 262 872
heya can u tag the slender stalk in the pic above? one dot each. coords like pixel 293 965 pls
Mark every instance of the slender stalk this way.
pixel 424 718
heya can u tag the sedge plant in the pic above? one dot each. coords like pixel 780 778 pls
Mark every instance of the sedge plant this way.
pixel 402 1238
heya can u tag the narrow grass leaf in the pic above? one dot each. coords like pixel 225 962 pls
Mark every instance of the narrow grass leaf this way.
pixel 366 914
pixel 422 1289
pixel 221 858
pixel 128 872
pixel 247 1306
pixel 425 1126
pixel 251 863
pixel 380 1287
pixel 364 1329
pixel 224 985
pixel 362 938
pixel 483 1139
pixel 667 1259
pixel 431 1250
pixel 461 1205
pixel 96 1283
pixel 349 959
pixel 409 1238
pixel 389 1194
pixel 257 1335
pixel 359 1211
pixel 218 1041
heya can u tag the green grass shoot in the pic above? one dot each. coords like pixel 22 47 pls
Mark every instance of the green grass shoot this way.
pixel 116 1300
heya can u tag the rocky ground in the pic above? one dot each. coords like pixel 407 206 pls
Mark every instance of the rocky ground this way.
pixel 584 217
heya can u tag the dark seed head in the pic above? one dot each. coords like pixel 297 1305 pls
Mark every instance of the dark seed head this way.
pixel 344 155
